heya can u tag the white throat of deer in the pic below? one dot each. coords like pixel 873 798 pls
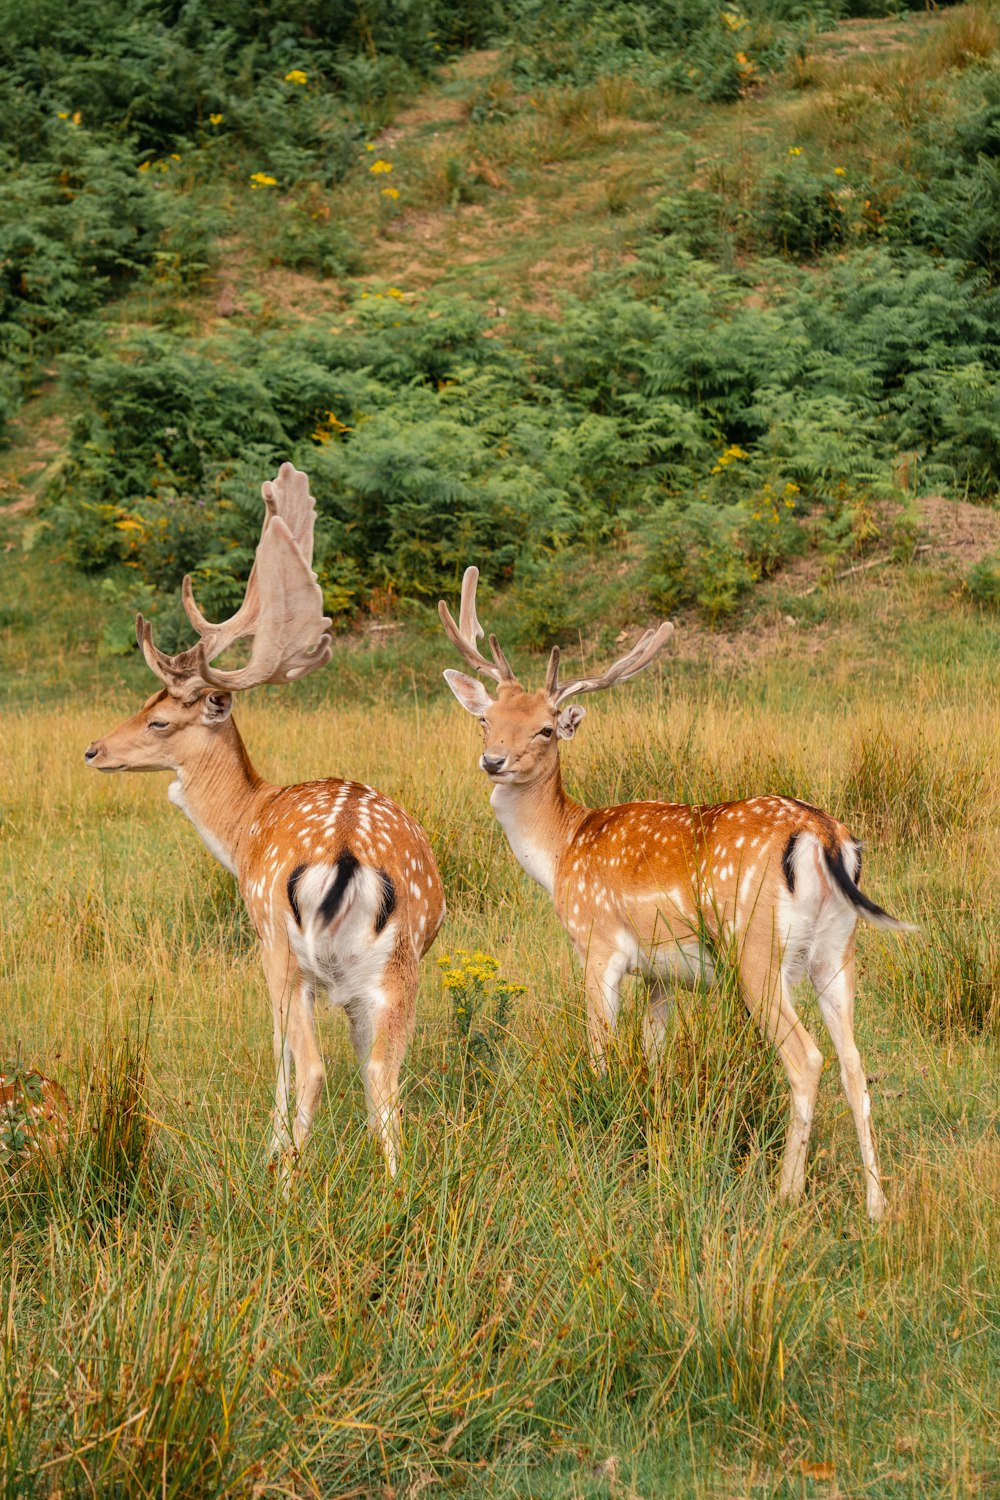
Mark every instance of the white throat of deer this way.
pixel 522 730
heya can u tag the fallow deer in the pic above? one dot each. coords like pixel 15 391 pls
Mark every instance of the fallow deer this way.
pixel 340 883
pixel 658 888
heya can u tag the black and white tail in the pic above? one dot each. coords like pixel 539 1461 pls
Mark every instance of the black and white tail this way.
pixel 833 855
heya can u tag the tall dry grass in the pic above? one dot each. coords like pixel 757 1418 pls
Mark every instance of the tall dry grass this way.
pixel 567 1270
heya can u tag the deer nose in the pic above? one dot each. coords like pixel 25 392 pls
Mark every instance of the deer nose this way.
pixel 91 753
pixel 491 764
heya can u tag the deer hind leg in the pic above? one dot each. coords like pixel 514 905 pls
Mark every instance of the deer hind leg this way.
pixel 605 967
pixel 834 982
pixel 310 1073
pixel 281 970
pixel 765 990
pixel 381 1023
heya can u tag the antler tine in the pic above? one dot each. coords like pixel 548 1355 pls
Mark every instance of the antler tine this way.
pixel 506 670
pixel 465 635
pixel 468 619
pixel 552 674
pixel 180 674
pixel 633 662
pixel 281 612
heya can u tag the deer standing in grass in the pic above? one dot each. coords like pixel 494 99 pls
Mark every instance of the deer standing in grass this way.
pixel 340 883
pixel 657 888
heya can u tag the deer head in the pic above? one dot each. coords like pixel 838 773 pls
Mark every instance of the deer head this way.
pixel 521 730
pixel 281 615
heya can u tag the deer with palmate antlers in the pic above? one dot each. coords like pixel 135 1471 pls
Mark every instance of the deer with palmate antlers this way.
pixel 340 883
pixel 657 887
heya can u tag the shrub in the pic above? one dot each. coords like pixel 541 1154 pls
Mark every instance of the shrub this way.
pixel 983 581
pixel 694 557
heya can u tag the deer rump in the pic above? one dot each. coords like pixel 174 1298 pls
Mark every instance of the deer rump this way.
pixel 341 928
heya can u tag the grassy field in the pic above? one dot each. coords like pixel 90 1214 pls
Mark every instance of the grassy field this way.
pixel 575 1287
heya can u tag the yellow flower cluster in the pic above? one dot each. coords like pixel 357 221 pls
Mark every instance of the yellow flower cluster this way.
pixel 262 180
pixel 381 296
pixel 74 118
pixel 215 119
pixel 297 76
pixel 767 508
pixel 380 166
pixel 460 968
pixel 730 456
pixel 795 150
pixel 390 192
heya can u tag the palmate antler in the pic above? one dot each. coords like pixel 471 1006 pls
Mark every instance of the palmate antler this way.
pixel 629 665
pixel 281 613
pixel 465 634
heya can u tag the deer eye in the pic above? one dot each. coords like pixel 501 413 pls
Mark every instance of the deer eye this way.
pixel 158 724
pixel 546 733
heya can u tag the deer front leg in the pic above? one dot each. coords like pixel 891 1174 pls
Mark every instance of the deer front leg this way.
pixel 656 1021
pixel 604 969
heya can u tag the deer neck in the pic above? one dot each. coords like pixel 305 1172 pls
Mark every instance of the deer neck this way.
pixel 219 790
pixel 539 820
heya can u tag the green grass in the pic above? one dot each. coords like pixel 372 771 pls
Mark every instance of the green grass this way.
pixel 566 1269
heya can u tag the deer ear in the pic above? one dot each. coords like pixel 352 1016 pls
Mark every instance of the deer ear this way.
pixel 471 694
pixel 568 720
pixel 216 708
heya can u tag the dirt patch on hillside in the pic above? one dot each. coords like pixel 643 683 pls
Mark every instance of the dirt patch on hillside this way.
pixel 433 108
pixel 880 35
pixel 956 532
pixel 37 435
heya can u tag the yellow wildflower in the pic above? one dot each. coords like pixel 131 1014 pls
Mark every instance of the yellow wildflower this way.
pixel 795 150
pixel 215 119
pixel 261 179
pixel 76 117
pixel 369 145
pixel 296 76
pixel 390 192
pixel 380 166
pixel 145 166
pixel 727 457
pixel 840 171
pixel 64 114
pixel 331 426
pixel 395 292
